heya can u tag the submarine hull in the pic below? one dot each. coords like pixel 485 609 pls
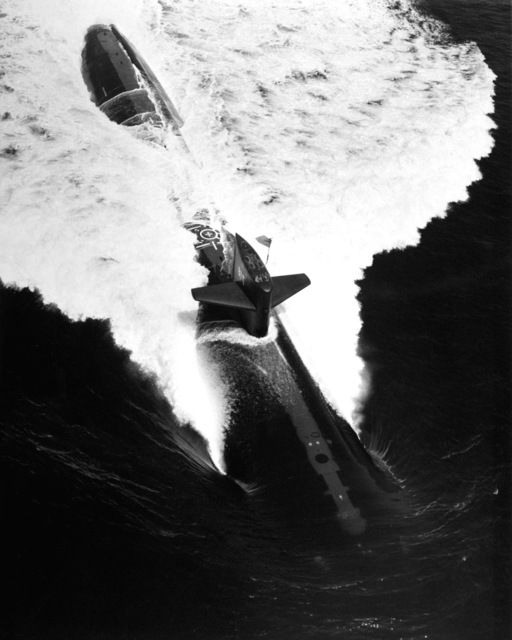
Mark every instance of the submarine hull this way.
pixel 283 437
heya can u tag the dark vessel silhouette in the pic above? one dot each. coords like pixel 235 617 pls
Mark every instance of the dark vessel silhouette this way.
pixel 320 465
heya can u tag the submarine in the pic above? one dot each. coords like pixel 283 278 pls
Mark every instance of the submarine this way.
pixel 308 457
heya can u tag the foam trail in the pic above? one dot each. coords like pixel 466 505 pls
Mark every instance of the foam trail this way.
pixel 338 129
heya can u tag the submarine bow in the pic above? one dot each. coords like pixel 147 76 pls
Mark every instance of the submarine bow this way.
pixel 121 83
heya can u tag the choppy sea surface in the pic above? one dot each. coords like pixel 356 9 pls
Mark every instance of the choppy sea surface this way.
pixel 371 140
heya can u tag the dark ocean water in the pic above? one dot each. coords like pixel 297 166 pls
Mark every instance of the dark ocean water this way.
pixel 116 525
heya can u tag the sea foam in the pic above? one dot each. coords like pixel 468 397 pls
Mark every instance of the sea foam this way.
pixel 337 129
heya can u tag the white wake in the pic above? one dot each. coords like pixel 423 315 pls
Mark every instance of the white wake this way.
pixel 338 129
